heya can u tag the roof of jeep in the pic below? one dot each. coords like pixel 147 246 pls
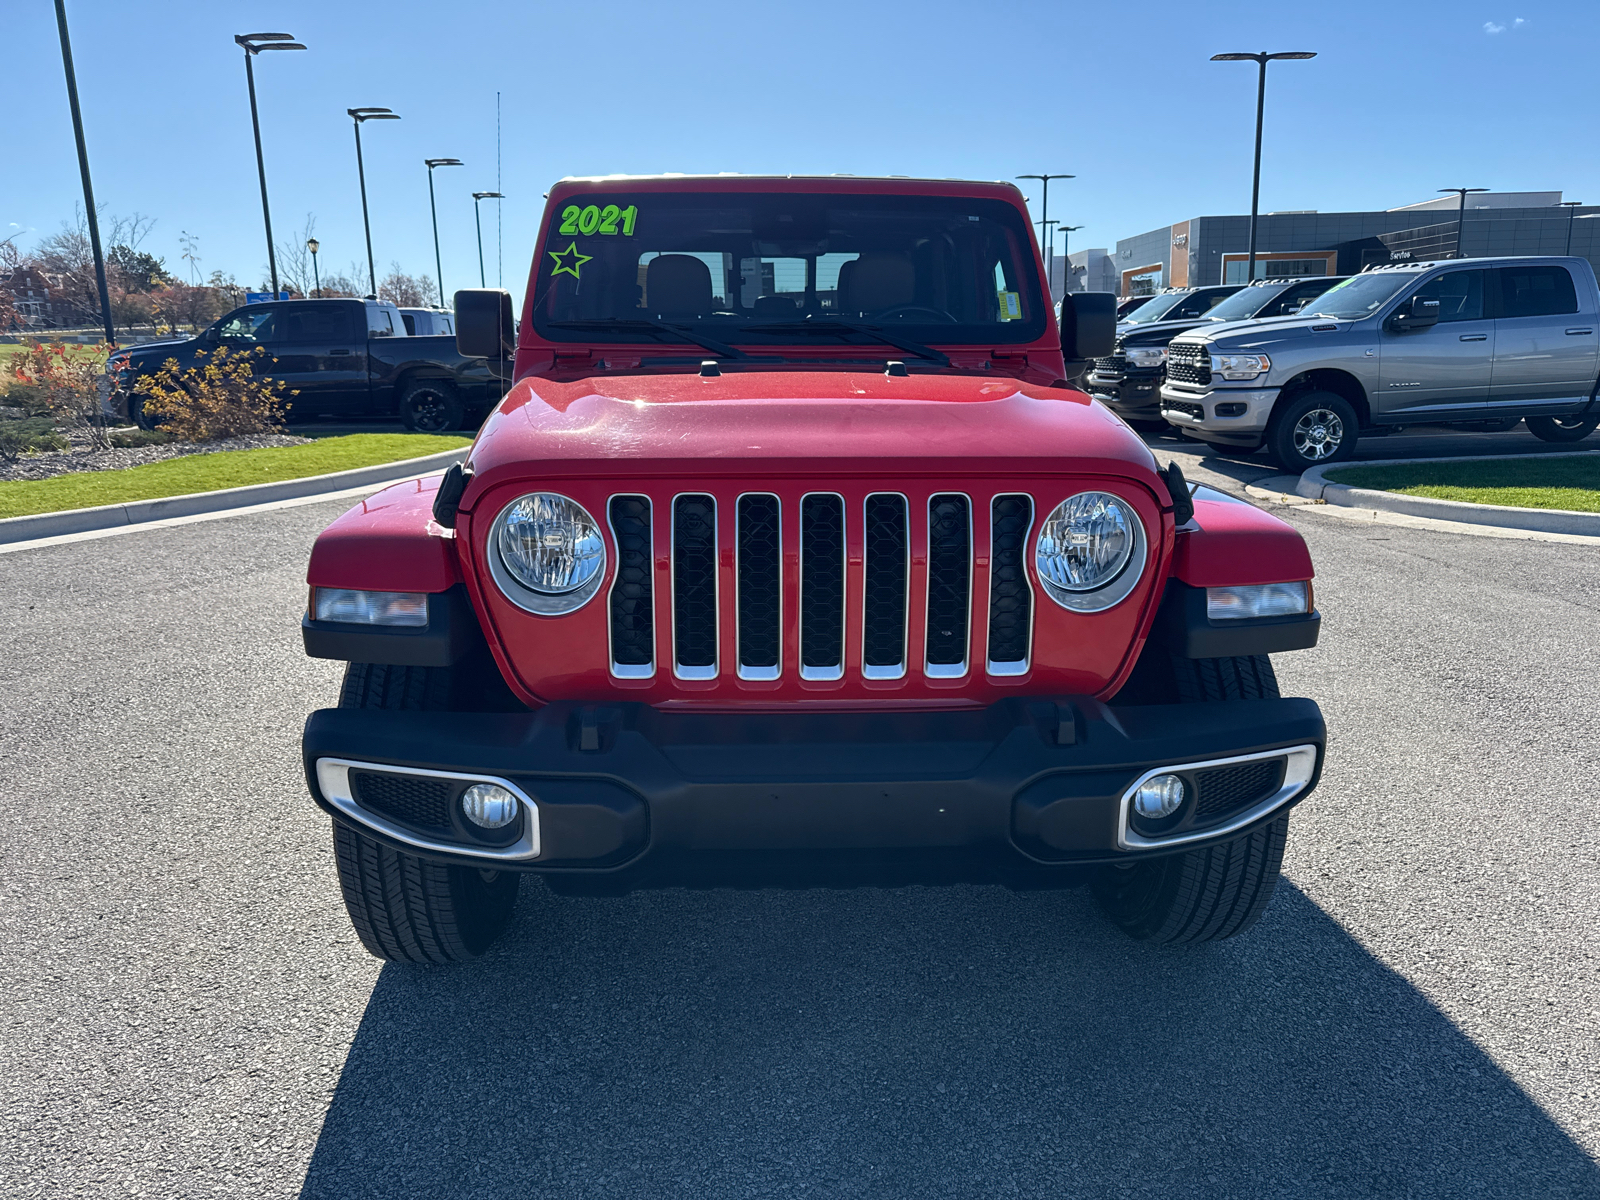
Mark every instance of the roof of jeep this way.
pixel 727 181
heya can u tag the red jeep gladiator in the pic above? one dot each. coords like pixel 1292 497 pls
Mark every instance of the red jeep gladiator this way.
pixel 792 556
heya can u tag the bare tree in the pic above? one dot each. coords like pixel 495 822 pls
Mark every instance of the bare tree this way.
pixel 67 256
pixel 405 291
pixel 294 260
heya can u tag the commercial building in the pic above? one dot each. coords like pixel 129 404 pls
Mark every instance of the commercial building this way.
pixel 1209 250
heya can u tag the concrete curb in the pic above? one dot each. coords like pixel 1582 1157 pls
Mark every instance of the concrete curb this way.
pixel 1313 486
pixel 139 512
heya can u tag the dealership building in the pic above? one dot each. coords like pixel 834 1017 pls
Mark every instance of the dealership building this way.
pixel 1209 250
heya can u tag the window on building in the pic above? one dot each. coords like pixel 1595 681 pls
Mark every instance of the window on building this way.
pixel 1236 270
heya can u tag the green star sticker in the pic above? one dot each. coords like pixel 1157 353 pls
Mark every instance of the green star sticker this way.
pixel 565 267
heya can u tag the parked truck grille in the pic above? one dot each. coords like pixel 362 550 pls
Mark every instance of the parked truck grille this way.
pixel 850 611
pixel 1186 407
pixel 1115 364
pixel 1188 363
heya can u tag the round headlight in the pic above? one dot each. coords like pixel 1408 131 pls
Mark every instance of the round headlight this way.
pixel 1090 552
pixel 546 553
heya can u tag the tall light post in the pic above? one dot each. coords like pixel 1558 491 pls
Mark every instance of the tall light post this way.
pixel 359 115
pixel 1049 254
pixel 1066 232
pixel 1569 205
pixel 438 264
pixel 1044 203
pixel 313 245
pixel 477 216
pixel 1461 214
pixel 253 44
pixel 83 168
pixel 1262 58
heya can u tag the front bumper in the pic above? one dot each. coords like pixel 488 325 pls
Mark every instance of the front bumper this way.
pixel 1240 421
pixel 1130 394
pixel 1028 789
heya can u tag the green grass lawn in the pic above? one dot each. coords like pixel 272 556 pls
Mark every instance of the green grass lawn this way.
pixel 74 351
pixel 1532 482
pixel 211 472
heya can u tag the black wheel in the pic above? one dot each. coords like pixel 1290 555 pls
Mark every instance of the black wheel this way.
pixel 405 908
pixel 137 415
pixel 430 406
pixel 1313 429
pixel 1219 891
pixel 1562 429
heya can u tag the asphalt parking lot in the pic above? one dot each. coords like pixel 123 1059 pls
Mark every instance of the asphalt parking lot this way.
pixel 188 1013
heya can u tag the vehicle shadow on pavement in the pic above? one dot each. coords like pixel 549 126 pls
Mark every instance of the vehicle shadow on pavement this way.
pixel 962 1042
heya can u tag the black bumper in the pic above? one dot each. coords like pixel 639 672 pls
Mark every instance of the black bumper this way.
pixel 1133 394
pixel 1028 790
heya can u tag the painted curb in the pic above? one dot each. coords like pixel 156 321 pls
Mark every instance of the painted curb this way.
pixel 1313 486
pixel 138 512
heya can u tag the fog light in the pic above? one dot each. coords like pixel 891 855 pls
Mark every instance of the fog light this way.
pixel 1159 796
pixel 489 806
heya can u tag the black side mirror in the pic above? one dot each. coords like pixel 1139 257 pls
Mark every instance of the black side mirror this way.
pixel 485 326
pixel 1419 312
pixel 1088 328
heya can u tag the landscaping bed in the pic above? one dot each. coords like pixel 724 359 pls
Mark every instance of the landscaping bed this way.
pixel 47 464
pixel 208 467
pixel 1567 482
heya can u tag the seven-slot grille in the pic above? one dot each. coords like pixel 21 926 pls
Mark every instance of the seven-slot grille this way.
pixel 1188 362
pixel 818 591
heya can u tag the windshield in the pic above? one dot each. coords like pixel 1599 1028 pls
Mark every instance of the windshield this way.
pixel 1154 309
pixel 1359 296
pixel 767 269
pixel 1241 306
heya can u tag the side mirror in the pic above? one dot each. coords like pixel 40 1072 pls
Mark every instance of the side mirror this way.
pixel 485 326
pixel 1088 328
pixel 1419 312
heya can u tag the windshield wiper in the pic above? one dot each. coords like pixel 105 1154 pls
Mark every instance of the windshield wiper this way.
pixel 645 325
pixel 836 327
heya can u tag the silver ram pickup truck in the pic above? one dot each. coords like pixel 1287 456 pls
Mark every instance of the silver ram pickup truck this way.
pixel 1473 343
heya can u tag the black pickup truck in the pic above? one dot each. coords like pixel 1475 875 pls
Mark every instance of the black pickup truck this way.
pixel 343 359
pixel 1129 380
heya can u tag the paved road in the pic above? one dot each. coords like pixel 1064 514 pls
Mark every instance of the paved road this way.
pixel 187 1013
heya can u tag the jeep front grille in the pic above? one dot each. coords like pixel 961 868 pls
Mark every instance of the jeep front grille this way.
pixel 1188 362
pixel 849 616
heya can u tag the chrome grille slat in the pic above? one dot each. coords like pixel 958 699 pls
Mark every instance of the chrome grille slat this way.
pixel 885 585
pixel 759 572
pixel 949 585
pixel 632 626
pixel 1010 593
pixel 822 574
pixel 694 586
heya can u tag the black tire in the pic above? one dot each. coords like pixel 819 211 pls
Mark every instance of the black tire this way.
pixel 1562 429
pixel 1219 891
pixel 404 908
pixel 430 406
pixel 1313 429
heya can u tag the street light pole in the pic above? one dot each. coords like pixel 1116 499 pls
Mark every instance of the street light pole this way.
pixel 253 44
pixel 1044 202
pixel 358 115
pixel 1049 255
pixel 1262 58
pixel 478 217
pixel 83 168
pixel 1461 214
pixel 1569 205
pixel 313 245
pixel 438 265
pixel 1066 232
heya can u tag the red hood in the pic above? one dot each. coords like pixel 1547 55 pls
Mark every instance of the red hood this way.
pixel 801 422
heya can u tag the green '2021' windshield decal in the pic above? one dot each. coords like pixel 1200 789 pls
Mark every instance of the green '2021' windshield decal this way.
pixel 592 219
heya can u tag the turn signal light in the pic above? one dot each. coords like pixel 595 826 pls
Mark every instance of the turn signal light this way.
pixel 1258 600
pixel 369 608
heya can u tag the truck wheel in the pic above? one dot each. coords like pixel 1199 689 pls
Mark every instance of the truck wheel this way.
pixel 1219 891
pixel 430 406
pixel 404 908
pixel 1313 429
pixel 1561 429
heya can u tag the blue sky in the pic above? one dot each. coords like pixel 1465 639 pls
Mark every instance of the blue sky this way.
pixel 1404 99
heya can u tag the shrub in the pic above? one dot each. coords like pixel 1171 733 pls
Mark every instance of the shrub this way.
pixel 66 387
pixel 131 439
pixel 221 397
pixel 28 436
